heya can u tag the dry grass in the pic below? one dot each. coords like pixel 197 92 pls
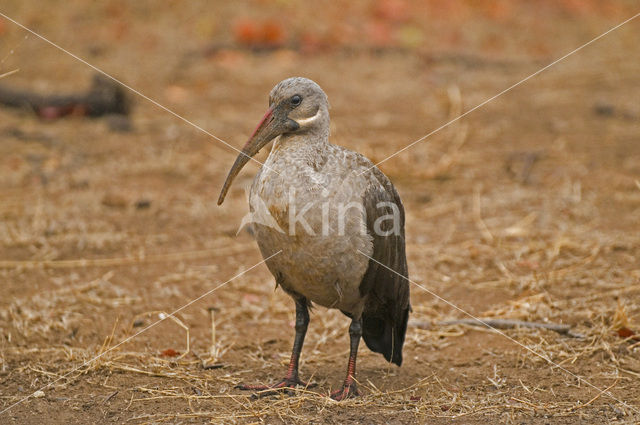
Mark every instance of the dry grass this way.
pixel 526 210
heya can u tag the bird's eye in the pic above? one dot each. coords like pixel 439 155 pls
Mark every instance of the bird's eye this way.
pixel 296 100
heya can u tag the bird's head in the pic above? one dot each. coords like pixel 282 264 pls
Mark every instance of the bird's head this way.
pixel 296 105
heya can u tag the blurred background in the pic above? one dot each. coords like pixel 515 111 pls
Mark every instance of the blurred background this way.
pixel 525 209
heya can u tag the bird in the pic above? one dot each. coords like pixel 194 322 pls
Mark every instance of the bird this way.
pixel 330 225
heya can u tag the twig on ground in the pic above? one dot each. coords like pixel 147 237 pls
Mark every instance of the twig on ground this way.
pixel 502 324
pixel 573 409
pixel 6 74
pixel 109 397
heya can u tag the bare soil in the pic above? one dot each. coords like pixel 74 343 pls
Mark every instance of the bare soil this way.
pixel 527 208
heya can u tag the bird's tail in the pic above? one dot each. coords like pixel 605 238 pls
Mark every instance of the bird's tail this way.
pixel 383 330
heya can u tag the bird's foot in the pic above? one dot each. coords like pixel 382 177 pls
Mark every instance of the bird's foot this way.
pixel 286 385
pixel 348 390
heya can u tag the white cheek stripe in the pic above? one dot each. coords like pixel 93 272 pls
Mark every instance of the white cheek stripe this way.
pixel 309 120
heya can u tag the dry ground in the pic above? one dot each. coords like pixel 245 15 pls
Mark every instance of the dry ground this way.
pixel 528 208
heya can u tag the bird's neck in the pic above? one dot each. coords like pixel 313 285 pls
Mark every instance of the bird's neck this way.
pixel 317 141
pixel 298 151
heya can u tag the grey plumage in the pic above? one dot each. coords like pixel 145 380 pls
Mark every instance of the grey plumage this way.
pixel 339 198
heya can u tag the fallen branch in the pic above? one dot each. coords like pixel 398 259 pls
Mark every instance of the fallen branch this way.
pixel 103 97
pixel 501 324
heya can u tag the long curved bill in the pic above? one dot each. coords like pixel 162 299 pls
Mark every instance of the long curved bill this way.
pixel 268 128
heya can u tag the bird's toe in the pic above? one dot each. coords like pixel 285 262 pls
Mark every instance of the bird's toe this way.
pixel 347 391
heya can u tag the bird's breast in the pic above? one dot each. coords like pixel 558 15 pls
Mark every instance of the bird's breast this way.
pixel 318 223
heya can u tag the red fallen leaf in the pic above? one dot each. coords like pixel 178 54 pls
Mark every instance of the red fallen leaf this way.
pixel 269 33
pixel 272 34
pixel 625 333
pixel 415 398
pixel 246 32
pixel 169 352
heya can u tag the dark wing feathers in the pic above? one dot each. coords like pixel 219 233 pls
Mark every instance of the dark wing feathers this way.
pixel 384 319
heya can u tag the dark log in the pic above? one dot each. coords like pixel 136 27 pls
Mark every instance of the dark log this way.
pixel 104 97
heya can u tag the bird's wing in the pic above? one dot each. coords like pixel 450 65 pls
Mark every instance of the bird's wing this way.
pixel 386 288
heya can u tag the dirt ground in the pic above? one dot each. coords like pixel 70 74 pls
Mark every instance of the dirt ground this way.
pixel 527 208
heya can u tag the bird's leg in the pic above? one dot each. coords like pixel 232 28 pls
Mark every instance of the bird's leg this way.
pixel 302 322
pixel 291 379
pixel 350 388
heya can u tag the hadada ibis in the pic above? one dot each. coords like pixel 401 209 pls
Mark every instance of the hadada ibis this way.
pixel 334 221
